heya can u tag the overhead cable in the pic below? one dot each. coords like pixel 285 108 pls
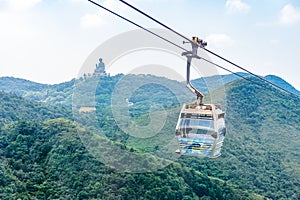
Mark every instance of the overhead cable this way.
pixel 151 32
pixel 186 38
pixel 209 51
pixel 130 21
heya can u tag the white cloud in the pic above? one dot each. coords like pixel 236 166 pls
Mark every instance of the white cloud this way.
pixel 20 5
pixel 289 15
pixel 91 21
pixel 236 6
pixel 100 18
pixel 219 40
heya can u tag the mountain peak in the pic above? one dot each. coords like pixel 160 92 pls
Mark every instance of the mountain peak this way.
pixel 282 83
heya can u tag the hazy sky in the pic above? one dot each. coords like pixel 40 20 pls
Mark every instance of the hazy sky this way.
pixel 47 41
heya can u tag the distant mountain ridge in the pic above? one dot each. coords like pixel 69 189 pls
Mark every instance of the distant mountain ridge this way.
pixel 210 83
pixel 57 94
pixel 16 85
pixel 282 83
pixel 60 94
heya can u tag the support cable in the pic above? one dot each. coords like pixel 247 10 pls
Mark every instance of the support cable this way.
pixel 151 32
pixel 189 40
pixel 145 29
pixel 209 51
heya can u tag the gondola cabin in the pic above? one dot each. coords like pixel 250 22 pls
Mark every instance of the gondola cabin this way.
pixel 200 130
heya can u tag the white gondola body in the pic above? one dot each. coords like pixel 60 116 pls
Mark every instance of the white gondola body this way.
pixel 200 130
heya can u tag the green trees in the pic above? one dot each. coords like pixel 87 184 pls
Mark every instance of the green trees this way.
pixel 260 152
pixel 42 156
pixel 47 160
pixel 14 108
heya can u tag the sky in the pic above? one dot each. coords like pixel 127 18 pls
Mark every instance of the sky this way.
pixel 48 41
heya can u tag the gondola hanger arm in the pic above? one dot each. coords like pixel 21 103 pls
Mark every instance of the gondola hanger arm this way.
pixel 196 42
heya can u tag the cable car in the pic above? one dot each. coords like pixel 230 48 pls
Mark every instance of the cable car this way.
pixel 200 130
pixel 201 127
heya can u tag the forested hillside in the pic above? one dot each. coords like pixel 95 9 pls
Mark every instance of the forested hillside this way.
pixel 57 94
pixel 43 157
pixel 48 161
pixel 15 108
pixel 261 151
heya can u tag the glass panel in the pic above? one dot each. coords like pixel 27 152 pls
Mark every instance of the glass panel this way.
pixel 222 132
pixel 220 116
pixel 199 123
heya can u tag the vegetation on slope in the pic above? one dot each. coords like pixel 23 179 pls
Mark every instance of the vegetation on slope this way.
pixel 260 153
pixel 57 94
pixel 261 150
pixel 14 108
pixel 48 161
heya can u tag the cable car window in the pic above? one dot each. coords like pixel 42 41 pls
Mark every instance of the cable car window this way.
pixel 201 123
pixel 204 131
pixel 221 115
pixel 196 116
